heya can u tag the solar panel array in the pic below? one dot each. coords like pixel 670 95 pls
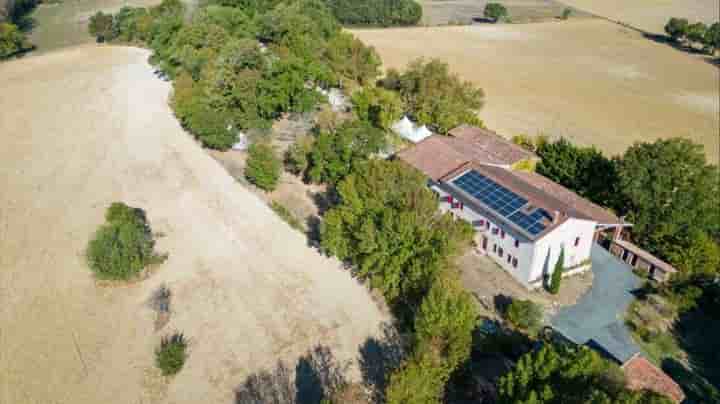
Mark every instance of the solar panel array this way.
pixel 503 201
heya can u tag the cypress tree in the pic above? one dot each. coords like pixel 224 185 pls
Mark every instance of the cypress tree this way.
pixel 557 273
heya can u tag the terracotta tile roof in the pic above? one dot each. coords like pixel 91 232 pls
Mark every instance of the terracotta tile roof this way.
pixel 444 157
pixel 433 157
pixel 487 147
pixel 657 262
pixel 640 374
pixel 438 154
pixel 582 208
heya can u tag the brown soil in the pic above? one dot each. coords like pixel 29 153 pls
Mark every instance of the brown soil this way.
pixel 650 15
pixel 88 126
pixel 589 80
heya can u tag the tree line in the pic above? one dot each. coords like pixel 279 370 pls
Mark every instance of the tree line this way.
pixel 382 13
pixel 682 31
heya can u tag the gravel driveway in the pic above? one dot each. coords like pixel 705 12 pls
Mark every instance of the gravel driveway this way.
pixel 597 318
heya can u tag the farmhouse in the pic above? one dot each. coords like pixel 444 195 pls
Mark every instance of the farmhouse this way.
pixel 522 220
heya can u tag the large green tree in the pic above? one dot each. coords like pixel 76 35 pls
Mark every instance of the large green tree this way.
pixel 677 28
pixel 436 97
pixel 378 106
pixel 446 320
pixel 568 375
pixel 387 224
pixel 584 170
pixel 672 193
pixel 336 153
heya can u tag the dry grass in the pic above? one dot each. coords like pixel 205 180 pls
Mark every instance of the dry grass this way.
pixel 650 15
pixel 455 12
pixel 590 80
pixel 91 125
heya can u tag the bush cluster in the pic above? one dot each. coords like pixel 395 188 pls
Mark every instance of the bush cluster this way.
pixel 680 29
pixel 524 314
pixel 170 356
pixel 123 246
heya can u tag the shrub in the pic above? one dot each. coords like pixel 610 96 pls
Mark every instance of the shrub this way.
pixel 297 155
pixel 101 27
pixel 495 11
pixel 123 246
pixel 170 356
pixel 263 166
pixel 12 40
pixel 524 314
pixel 566 13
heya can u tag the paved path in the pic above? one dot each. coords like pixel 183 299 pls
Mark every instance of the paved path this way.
pixel 597 319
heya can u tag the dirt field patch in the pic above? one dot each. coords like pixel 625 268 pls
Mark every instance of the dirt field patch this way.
pixel 650 15
pixel 87 126
pixel 460 12
pixel 589 80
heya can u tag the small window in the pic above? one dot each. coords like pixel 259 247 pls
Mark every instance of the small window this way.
pixel 509 258
pixel 494 247
pixel 500 252
pixel 487 224
pixel 495 230
pixel 502 233
pixel 514 262
pixel 577 241
pixel 517 243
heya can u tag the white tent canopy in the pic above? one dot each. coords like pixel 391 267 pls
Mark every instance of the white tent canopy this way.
pixel 408 130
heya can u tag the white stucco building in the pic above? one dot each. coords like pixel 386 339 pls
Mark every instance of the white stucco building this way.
pixel 522 219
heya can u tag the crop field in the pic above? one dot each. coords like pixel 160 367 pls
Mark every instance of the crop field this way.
pixel 65 24
pixel 460 12
pixel 88 126
pixel 590 80
pixel 650 15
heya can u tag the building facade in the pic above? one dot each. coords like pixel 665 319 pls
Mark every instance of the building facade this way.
pixel 522 220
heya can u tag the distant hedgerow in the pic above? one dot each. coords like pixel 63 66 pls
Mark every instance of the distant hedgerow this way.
pixel 170 356
pixel 123 246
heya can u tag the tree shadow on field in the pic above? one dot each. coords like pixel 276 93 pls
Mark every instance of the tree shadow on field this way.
pixel 378 358
pixel 317 374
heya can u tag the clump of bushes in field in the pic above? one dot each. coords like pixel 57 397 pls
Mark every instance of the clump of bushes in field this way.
pixel 681 30
pixel 170 356
pixel 495 12
pixel 123 246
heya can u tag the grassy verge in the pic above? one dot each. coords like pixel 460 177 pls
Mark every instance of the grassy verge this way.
pixel 287 216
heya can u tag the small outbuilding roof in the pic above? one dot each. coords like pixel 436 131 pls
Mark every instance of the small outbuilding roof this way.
pixel 640 374
pixel 639 252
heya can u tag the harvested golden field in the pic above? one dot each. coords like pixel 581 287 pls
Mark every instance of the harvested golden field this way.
pixel 88 126
pixel 589 80
pixel 650 15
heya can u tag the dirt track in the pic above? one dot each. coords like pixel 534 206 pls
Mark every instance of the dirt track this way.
pixel 590 80
pixel 88 126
